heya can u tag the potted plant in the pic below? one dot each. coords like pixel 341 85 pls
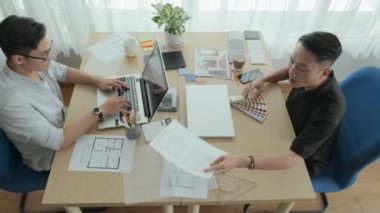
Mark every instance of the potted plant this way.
pixel 173 18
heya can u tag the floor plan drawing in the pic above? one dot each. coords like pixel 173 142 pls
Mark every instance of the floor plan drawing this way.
pixel 178 183
pixel 102 153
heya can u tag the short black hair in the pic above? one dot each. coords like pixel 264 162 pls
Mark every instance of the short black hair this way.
pixel 324 45
pixel 20 35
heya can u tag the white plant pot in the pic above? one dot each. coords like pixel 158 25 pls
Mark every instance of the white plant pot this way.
pixel 174 40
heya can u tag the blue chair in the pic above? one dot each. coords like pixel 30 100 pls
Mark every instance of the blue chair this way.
pixel 14 175
pixel 18 178
pixel 358 142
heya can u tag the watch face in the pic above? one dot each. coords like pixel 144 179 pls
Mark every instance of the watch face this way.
pixel 96 110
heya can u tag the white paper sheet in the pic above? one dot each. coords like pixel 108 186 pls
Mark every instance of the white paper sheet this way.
pixel 212 183
pixel 142 184
pixel 111 47
pixel 257 56
pixel 104 153
pixel 96 66
pixel 254 44
pixel 178 183
pixel 185 150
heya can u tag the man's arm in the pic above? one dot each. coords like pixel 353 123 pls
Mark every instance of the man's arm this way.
pixel 256 87
pixel 274 162
pixel 72 131
pixel 79 77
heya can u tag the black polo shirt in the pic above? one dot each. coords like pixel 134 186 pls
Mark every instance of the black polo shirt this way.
pixel 316 116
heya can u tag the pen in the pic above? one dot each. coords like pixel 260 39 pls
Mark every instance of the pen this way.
pixel 126 120
pixel 132 120
pixel 135 116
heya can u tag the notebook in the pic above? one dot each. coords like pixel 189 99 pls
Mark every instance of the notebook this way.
pixel 145 92
pixel 173 60
pixel 208 111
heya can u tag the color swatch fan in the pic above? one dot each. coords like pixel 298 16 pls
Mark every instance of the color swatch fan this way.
pixel 255 108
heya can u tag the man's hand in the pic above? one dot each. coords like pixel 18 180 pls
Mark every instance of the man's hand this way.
pixel 114 105
pixel 254 89
pixel 109 84
pixel 226 163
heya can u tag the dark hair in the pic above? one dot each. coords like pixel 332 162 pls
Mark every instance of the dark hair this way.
pixel 20 35
pixel 325 46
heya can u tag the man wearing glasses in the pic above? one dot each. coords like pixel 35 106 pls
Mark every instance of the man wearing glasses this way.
pixel 32 113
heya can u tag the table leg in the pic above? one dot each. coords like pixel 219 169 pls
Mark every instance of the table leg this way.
pixel 168 209
pixel 73 210
pixel 193 209
pixel 284 207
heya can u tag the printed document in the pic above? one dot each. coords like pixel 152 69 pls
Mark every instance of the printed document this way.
pixel 178 183
pixel 102 153
pixel 185 150
pixel 111 47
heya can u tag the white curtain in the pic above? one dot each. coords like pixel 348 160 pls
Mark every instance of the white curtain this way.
pixel 282 22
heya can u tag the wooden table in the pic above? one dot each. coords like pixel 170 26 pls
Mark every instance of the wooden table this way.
pixel 66 188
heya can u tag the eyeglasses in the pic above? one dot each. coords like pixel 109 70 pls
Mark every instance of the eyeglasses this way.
pixel 41 58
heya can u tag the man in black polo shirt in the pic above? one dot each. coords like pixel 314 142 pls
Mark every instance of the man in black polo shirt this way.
pixel 316 107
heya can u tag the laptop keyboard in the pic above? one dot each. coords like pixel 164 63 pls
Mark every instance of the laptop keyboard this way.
pixel 130 94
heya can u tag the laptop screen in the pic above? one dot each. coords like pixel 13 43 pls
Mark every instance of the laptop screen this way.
pixel 154 84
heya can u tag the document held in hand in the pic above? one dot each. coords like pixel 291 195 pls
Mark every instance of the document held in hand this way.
pixel 185 150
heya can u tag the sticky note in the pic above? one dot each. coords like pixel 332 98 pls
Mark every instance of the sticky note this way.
pixel 200 81
pixel 183 71
pixel 144 38
pixel 147 44
pixel 190 77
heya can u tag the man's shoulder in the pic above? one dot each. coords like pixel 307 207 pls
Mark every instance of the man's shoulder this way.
pixel 11 98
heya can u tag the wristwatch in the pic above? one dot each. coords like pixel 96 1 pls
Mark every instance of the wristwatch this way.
pixel 98 112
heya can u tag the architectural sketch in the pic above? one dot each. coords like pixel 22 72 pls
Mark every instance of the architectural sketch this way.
pixel 105 153
pixel 102 153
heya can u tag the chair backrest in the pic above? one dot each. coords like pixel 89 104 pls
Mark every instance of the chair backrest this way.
pixel 14 175
pixel 9 157
pixel 358 142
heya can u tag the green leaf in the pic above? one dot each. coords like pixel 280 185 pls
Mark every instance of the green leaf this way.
pixel 172 18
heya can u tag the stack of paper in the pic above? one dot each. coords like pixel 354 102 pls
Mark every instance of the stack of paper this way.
pixel 255 47
pixel 255 108
pixel 146 43
pixel 235 45
pixel 186 156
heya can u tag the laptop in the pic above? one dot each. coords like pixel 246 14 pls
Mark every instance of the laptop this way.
pixel 146 91
pixel 208 111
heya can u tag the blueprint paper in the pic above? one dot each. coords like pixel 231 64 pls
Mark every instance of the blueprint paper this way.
pixel 102 153
pixel 178 183
pixel 185 150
